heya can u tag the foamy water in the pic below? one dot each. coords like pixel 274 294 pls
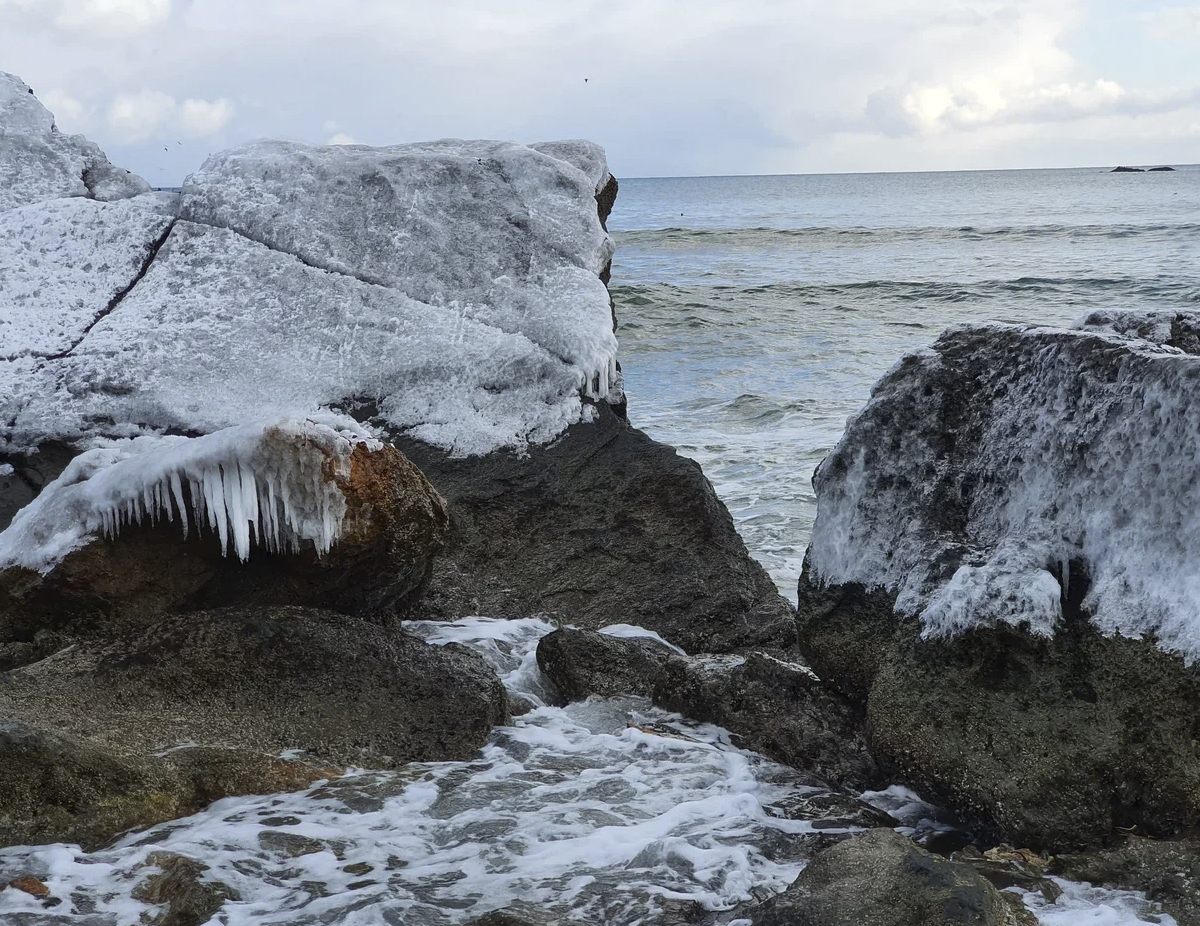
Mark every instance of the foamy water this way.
pixel 609 811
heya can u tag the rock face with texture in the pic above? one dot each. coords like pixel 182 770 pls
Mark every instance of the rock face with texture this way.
pixel 995 531
pixel 603 526
pixel 1168 871
pixel 882 879
pixel 337 522
pixel 774 706
pixel 89 725
pixel 38 162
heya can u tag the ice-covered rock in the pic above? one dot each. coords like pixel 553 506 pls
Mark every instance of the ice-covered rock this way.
pixel 1007 468
pixel 274 483
pixel 144 527
pixel 452 290
pixel 38 162
pixel 1003 576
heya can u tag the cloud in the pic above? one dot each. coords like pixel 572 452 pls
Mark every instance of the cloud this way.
pixel 674 86
pixel 103 17
pixel 154 114
pixel 201 118
pixel 341 138
pixel 68 111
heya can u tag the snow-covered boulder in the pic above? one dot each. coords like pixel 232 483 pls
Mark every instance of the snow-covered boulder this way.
pixel 288 512
pixel 451 289
pixel 38 162
pixel 450 294
pixel 1003 571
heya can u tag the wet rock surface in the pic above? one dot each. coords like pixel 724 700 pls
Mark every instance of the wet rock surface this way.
pixel 603 525
pixel 180 886
pixel 90 728
pixel 1051 744
pixel 774 706
pixel 1167 870
pixel 882 879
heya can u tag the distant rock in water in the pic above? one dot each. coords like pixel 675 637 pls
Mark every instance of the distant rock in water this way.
pixel 1155 170
pixel 1127 170
pixel 1001 571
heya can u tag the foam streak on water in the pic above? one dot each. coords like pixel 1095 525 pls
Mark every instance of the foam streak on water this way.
pixel 609 811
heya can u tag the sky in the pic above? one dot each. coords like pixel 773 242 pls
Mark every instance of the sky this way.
pixel 669 87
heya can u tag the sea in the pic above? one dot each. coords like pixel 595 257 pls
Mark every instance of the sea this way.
pixel 755 313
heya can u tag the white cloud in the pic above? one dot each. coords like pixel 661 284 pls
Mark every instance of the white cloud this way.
pixel 341 138
pixel 68 111
pixel 1174 24
pixel 106 18
pixel 112 17
pixel 202 118
pixel 154 114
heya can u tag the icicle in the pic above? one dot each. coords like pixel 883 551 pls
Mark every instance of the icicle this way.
pixel 177 494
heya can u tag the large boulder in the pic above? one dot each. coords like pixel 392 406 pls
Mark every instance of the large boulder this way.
pixel 602 526
pixel 1001 573
pixel 93 731
pixel 38 162
pixel 167 525
pixel 452 296
pixel 772 705
pixel 883 879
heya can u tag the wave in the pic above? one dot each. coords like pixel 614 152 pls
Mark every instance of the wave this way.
pixel 1184 292
pixel 765 235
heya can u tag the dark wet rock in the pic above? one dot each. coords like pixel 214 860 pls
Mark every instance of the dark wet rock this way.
pixel 1156 170
pixel 179 885
pixel 882 879
pixel 774 706
pixel 1168 871
pixel 1127 170
pixel 1007 867
pixel 83 759
pixel 604 525
pixel 1049 743
pixel 342 689
pixel 61 789
pixel 394 525
pixel 289 845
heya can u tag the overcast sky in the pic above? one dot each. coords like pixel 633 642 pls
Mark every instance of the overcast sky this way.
pixel 672 87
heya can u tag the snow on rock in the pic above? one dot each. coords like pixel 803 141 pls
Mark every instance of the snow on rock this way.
pixel 62 265
pixel 504 233
pixel 986 470
pixel 273 482
pixel 38 162
pixel 450 290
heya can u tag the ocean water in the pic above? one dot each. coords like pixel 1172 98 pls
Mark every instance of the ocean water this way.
pixel 755 313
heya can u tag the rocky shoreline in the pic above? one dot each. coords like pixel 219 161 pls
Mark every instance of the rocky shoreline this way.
pixel 251 431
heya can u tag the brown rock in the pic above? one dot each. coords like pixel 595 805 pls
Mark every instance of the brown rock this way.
pixel 30 885
pixel 179 886
pixel 394 525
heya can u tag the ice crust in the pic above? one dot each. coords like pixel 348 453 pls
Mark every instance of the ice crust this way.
pixel 38 162
pixel 61 265
pixel 451 289
pixel 271 483
pixel 987 469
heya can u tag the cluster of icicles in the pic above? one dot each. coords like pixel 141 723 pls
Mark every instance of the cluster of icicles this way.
pixel 270 483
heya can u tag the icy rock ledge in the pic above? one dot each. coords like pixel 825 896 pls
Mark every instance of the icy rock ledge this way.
pixel 274 483
pixel 1008 469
